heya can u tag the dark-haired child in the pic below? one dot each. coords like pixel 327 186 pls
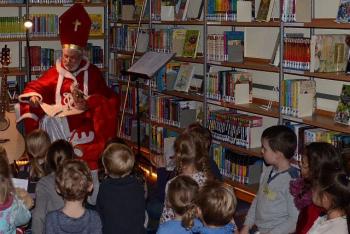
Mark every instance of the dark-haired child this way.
pixel 332 193
pixel 46 195
pixel 273 210
pixel 317 157
pixel 74 182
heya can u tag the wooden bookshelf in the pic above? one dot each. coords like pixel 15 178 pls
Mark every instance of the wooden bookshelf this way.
pixel 179 22
pixel 244 24
pixel 189 96
pixel 256 152
pixel 244 192
pixel 326 23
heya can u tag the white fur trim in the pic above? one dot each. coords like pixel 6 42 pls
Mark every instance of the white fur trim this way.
pixel 24 97
pixel 27 115
pixel 63 73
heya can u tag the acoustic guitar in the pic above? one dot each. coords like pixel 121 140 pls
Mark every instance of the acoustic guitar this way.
pixel 10 138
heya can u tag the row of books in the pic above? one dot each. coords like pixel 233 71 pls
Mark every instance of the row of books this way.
pixel 131 102
pixel 307 134
pixel 129 130
pixel 174 111
pixel 12 27
pixel 219 10
pixel 230 86
pixel 94 54
pixel 43 58
pixel 183 42
pixel 241 168
pixel 228 46
pixel 298 97
pixel 321 53
pixel 238 129
pixel 44 25
pixel 296 53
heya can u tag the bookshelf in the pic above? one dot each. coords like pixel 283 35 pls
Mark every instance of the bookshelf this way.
pixel 257 56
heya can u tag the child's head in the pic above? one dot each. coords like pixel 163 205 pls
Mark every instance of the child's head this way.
pixel 37 143
pixel 332 192
pixel 319 156
pixel 6 186
pixel 58 152
pixel 181 194
pixel 217 204
pixel 203 134
pixel 74 180
pixel 118 160
pixel 278 142
pixel 189 153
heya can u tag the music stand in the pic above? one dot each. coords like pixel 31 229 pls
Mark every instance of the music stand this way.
pixel 145 68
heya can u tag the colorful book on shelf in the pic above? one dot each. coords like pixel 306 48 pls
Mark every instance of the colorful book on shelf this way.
pixel 329 53
pixel 343 15
pixel 96 25
pixel 184 77
pixel 342 114
pixel 191 43
pixel 234 46
pixel 265 10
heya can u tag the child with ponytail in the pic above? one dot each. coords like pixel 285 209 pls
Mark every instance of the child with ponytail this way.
pixel 332 193
pixel 191 160
pixel 182 192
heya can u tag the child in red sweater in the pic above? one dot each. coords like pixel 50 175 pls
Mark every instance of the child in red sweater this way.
pixel 317 157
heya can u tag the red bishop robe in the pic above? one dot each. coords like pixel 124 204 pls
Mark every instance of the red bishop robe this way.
pixel 102 103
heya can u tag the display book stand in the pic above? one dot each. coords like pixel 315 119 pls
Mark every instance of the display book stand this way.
pixel 145 68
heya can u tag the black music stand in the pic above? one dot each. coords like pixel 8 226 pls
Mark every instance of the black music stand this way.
pixel 145 68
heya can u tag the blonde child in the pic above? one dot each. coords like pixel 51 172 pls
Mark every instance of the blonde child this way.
pixel 317 156
pixel 191 160
pixel 13 211
pixel 182 192
pixel 273 210
pixel 216 204
pixel 74 182
pixel 120 200
pixel 332 192
pixel 47 198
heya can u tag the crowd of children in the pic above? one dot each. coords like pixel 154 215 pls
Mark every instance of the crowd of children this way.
pixel 193 198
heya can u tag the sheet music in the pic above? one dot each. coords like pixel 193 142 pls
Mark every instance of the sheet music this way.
pixel 150 63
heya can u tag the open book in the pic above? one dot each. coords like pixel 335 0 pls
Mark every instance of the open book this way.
pixel 59 110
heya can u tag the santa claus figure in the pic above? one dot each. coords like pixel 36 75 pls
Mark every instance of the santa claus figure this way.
pixel 76 86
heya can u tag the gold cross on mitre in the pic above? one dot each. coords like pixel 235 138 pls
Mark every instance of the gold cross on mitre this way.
pixel 76 23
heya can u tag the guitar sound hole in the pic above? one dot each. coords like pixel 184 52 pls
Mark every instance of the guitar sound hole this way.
pixel 4 123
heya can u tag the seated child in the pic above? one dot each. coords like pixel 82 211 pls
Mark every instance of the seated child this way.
pixel 74 182
pixel 46 195
pixel 332 192
pixel 120 200
pixel 273 210
pixel 216 204
pixel 181 194
pixel 317 156
pixel 13 211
